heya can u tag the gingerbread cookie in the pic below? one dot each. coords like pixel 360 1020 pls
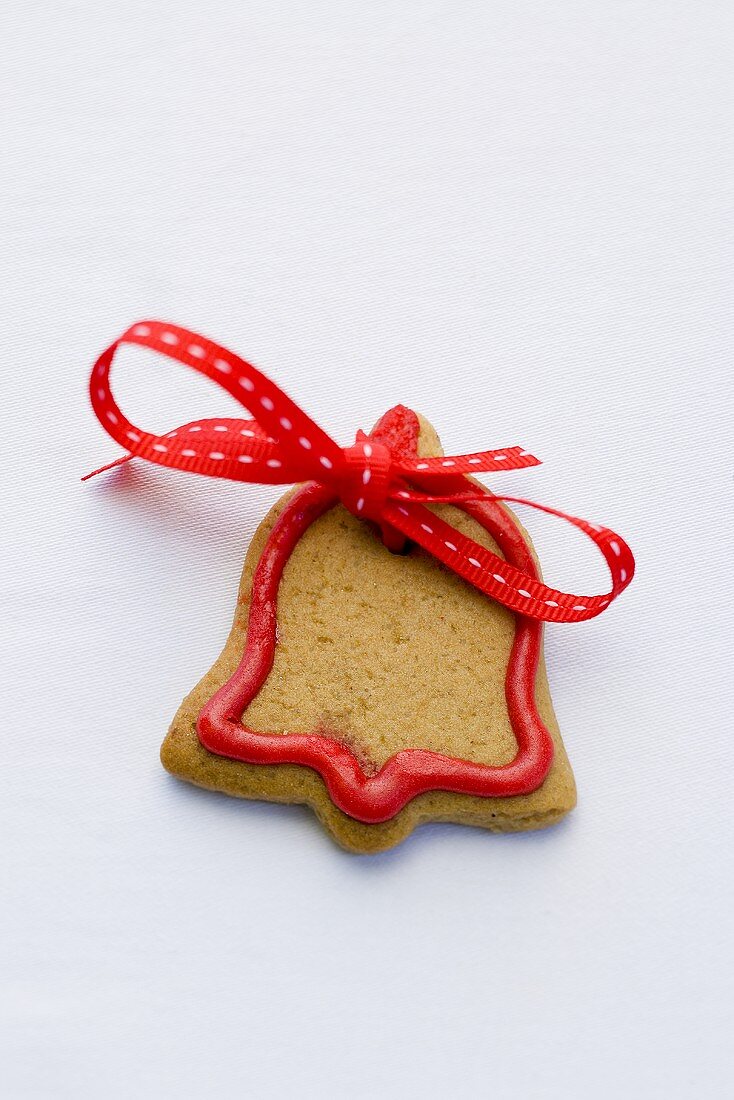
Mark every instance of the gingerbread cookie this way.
pixel 369 673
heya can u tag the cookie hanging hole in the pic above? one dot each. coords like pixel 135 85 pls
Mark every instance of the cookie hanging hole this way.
pixel 394 540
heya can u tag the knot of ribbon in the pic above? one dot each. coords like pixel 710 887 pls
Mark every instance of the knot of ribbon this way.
pixel 282 445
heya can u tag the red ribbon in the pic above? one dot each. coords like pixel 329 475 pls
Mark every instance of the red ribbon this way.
pixel 282 445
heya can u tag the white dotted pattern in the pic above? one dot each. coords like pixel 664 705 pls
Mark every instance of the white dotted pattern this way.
pixel 504 581
pixel 285 445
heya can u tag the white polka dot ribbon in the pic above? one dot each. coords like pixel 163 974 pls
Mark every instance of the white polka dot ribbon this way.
pixel 282 445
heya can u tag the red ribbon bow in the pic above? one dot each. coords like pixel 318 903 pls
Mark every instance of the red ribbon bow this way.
pixel 282 445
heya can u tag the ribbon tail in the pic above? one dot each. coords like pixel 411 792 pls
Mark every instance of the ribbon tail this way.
pixel 109 466
pixel 482 462
pixel 450 496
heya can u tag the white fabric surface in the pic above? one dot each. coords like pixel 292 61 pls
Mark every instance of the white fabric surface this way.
pixel 515 217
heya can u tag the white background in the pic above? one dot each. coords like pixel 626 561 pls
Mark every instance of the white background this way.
pixel 516 217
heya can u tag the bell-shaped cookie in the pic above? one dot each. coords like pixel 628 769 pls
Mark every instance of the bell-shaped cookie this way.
pixel 377 687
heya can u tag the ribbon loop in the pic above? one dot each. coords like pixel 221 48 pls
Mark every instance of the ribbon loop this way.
pixel 282 445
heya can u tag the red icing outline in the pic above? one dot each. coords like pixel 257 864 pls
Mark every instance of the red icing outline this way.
pixel 373 798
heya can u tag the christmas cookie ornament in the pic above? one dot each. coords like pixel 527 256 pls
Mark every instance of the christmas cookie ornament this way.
pixel 385 661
